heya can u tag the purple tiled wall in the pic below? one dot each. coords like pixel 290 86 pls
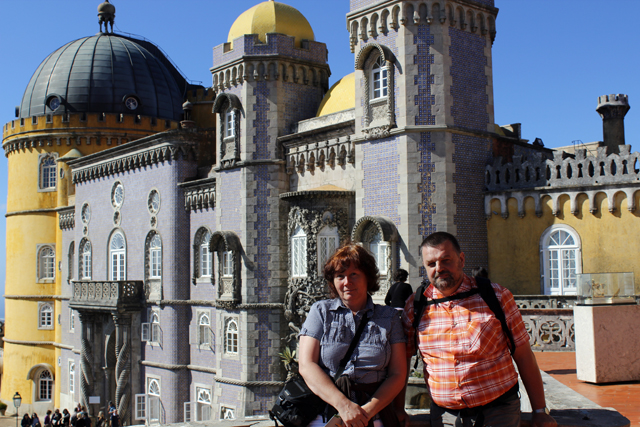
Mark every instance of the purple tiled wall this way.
pixel 230 203
pixel 469 79
pixel 381 178
pixel 471 154
pixel 261 123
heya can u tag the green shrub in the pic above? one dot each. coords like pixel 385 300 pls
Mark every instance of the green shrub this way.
pixel 3 406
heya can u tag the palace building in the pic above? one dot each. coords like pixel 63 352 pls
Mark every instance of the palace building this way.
pixel 165 240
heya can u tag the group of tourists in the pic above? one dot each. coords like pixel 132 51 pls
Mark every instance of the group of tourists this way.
pixel 79 418
pixel 466 329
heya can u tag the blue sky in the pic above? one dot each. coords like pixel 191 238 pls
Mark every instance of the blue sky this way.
pixel 551 58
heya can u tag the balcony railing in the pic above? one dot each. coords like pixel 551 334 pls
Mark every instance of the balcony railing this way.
pixel 120 295
pixel 549 321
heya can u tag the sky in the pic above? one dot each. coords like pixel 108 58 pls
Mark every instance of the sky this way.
pixel 551 58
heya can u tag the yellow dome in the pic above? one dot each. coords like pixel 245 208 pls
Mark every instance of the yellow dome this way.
pixel 341 96
pixel 272 17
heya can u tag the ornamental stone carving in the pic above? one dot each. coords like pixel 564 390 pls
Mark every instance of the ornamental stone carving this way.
pixel 302 292
pixel 229 285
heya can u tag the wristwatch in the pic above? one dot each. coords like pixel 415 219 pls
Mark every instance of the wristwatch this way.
pixel 544 410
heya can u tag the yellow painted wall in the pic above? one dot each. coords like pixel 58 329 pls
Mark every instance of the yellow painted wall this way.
pixel 610 242
pixel 14 377
pixel 26 230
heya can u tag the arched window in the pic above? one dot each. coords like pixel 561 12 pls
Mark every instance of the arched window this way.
pixel 117 256
pixel 155 258
pixel 230 124
pixel 203 399
pixel 561 260
pixel 45 316
pixel 70 257
pixel 328 242
pixel 204 330
pixel 156 333
pixel 231 337
pixel 299 253
pixel 379 249
pixel 379 80
pixel 47 173
pixel 227 264
pixel 45 385
pixel 202 254
pixel 85 260
pixel 153 391
pixel 46 263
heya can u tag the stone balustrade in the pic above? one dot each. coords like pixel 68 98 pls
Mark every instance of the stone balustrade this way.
pixel 331 153
pixel 111 295
pixel 564 170
pixel 549 321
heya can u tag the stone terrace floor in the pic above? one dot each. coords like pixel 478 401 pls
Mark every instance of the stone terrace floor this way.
pixel 624 397
pixel 561 366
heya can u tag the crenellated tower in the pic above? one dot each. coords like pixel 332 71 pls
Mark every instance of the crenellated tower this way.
pixel 424 91
pixel 269 75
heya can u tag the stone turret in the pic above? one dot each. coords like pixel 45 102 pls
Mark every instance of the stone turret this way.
pixel 612 109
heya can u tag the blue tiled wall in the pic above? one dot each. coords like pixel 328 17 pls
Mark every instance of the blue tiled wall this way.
pixel 469 79
pixel 381 178
pixel 261 123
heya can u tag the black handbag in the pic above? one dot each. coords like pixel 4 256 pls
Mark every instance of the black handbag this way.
pixel 296 405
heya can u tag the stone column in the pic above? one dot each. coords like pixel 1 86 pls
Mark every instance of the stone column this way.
pixel 86 363
pixel 123 366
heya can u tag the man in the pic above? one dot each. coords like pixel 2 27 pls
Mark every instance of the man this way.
pixel 399 291
pixel 114 418
pixel 466 354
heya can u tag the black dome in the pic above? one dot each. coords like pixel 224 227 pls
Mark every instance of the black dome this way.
pixel 97 74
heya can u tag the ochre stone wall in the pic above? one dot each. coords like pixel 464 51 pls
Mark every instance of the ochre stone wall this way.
pixel 610 241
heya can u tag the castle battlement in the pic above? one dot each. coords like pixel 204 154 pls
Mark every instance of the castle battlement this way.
pixel 564 170
pixel 614 100
pixel 67 128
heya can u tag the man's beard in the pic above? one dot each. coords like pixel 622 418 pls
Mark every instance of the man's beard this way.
pixel 444 284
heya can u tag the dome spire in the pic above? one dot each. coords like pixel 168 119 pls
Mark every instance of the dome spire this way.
pixel 106 14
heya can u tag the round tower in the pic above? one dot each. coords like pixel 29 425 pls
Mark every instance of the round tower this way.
pixel 612 109
pixel 90 95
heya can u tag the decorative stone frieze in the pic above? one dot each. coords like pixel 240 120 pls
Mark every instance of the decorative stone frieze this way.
pixel 466 15
pixel 151 156
pixel 201 195
pixel 319 155
pixel 563 175
pixel 67 219
pixel 271 68
pixel 118 295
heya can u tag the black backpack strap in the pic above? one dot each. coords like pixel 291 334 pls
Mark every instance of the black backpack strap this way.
pixel 488 294
pixel 352 347
pixel 419 304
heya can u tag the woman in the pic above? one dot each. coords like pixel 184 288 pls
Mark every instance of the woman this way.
pixel 66 417
pixel 56 418
pixel 26 421
pixel 380 363
pixel 101 421
pixel 35 421
pixel 47 419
